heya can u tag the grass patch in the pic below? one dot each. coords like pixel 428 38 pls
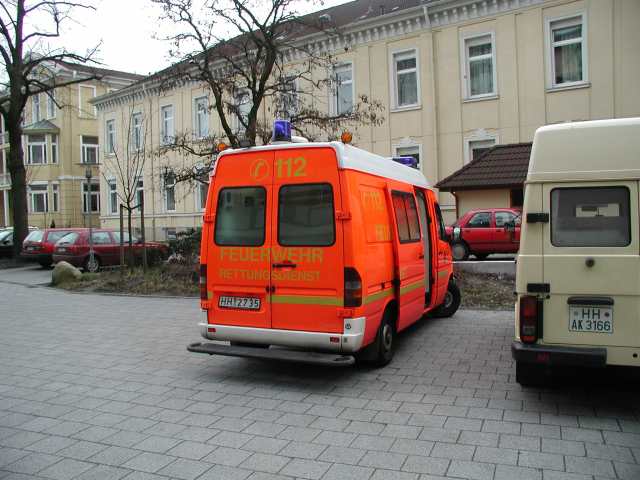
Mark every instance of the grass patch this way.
pixel 169 279
pixel 486 291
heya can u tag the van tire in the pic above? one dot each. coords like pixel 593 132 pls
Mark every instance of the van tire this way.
pixel 529 375
pixel 459 251
pixel 385 343
pixel 451 301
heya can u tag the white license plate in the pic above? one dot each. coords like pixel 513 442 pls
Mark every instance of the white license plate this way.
pixel 30 249
pixel 591 319
pixel 242 303
pixel 62 250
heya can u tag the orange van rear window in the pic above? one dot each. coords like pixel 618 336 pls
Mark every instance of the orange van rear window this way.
pixel 240 216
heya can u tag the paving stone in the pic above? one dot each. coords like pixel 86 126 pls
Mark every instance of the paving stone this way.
pixel 627 471
pixel 541 460
pixel 519 442
pixel 306 469
pixel 555 475
pixel 149 462
pixel 339 471
pixel 370 442
pixel 51 444
pixel 306 450
pixel 32 463
pixel 185 469
pixel 114 456
pixel 264 462
pixel 471 470
pixel 563 447
pixel 507 472
pixel 452 451
pixel 350 456
pixel 589 466
pixel 222 472
pixel 265 445
pixel 504 456
pixel 82 450
pixel 157 444
pixel 66 469
pixel 479 438
pixel 103 472
pixel 384 460
pixel 231 457
pixel 429 465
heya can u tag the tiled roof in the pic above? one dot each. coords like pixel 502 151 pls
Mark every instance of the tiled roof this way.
pixel 500 166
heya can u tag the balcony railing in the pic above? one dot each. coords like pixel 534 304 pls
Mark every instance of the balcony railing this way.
pixel 5 180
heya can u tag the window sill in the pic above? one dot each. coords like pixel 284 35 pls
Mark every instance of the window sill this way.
pixel 405 109
pixel 573 86
pixel 480 99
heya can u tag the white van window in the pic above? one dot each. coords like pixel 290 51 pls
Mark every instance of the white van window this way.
pixel 305 215
pixel 590 217
pixel 240 216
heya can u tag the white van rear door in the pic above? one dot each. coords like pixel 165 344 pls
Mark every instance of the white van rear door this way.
pixel 591 264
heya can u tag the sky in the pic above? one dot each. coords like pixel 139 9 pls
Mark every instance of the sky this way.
pixel 127 31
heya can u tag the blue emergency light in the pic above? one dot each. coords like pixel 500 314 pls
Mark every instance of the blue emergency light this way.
pixel 408 161
pixel 281 131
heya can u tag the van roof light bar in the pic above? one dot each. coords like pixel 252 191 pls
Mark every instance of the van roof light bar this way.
pixel 281 131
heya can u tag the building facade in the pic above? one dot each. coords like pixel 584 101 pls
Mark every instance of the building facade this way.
pixel 60 142
pixel 456 77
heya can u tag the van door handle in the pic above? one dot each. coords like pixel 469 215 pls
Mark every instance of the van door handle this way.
pixel 421 255
pixel 284 265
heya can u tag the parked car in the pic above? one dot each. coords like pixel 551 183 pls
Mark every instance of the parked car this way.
pixel 6 241
pixel 38 245
pixel 74 248
pixel 485 231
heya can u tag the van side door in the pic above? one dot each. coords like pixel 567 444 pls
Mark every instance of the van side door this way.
pixel 307 241
pixel 410 278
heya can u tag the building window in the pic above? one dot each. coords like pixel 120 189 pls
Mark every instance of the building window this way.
pixel 201 196
pixel 113 197
pixel 55 194
pixel 288 105
pixel 89 149
pixel 243 105
pixel 475 148
pixel 54 148
pixel 136 131
pixel 90 197
pixel 110 137
pixel 480 66
pixel 35 115
pixel 169 193
pixel 409 151
pixel 140 192
pixel 405 77
pixel 343 92
pixel 201 117
pixel 38 198
pixel 37 148
pixel 51 104
pixel 568 51
pixel 167 130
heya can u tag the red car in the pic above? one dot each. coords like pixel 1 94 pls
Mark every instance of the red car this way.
pixel 485 231
pixel 74 248
pixel 38 245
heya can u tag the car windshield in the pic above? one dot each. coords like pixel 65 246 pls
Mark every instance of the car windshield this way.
pixel 53 237
pixel 116 236
pixel 5 235
pixel 69 239
pixel 35 236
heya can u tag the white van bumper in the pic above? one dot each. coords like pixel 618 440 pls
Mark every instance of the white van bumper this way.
pixel 350 341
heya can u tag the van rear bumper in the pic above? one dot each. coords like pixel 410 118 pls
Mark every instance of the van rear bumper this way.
pixel 331 342
pixel 558 355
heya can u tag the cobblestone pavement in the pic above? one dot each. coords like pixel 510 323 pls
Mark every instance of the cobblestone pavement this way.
pixel 101 387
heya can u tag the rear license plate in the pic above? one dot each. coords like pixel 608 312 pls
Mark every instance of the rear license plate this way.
pixel 242 303
pixel 591 319
pixel 62 250
pixel 30 249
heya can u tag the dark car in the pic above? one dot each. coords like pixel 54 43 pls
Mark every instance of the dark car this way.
pixel 485 231
pixel 6 241
pixel 38 245
pixel 74 248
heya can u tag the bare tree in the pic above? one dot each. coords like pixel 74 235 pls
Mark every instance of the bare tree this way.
pixel 26 27
pixel 250 61
pixel 127 162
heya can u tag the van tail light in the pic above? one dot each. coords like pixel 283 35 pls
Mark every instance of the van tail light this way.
pixel 529 316
pixel 352 288
pixel 203 282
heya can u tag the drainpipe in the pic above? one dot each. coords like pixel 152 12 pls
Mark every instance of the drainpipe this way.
pixel 434 90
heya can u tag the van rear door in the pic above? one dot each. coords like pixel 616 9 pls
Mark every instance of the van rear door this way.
pixel 591 264
pixel 307 244
pixel 239 259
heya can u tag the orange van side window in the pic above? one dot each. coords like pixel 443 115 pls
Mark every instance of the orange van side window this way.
pixel 375 214
pixel 407 217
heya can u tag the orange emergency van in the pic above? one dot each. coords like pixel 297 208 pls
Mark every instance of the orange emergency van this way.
pixel 322 248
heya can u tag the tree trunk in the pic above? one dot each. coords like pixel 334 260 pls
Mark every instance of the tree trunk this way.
pixel 18 187
pixel 130 253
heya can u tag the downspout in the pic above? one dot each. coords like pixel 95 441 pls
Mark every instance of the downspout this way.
pixel 434 114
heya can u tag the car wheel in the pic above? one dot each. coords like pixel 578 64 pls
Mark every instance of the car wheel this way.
pixel 386 340
pixel 451 301
pixel 481 256
pixel 529 375
pixel 459 251
pixel 92 266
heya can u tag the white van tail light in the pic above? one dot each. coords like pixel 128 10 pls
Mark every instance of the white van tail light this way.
pixel 203 282
pixel 529 316
pixel 352 288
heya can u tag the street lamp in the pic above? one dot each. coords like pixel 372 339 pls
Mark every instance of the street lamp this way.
pixel 89 175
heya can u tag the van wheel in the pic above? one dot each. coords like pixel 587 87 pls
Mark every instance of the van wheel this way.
pixel 451 301
pixel 385 343
pixel 529 375
pixel 92 266
pixel 459 251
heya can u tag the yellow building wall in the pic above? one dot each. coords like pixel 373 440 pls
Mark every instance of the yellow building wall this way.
pixel 473 199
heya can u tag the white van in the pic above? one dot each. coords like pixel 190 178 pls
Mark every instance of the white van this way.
pixel 578 271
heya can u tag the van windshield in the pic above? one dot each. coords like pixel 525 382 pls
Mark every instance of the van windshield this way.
pixel 305 215
pixel 590 217
pixel 240 216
